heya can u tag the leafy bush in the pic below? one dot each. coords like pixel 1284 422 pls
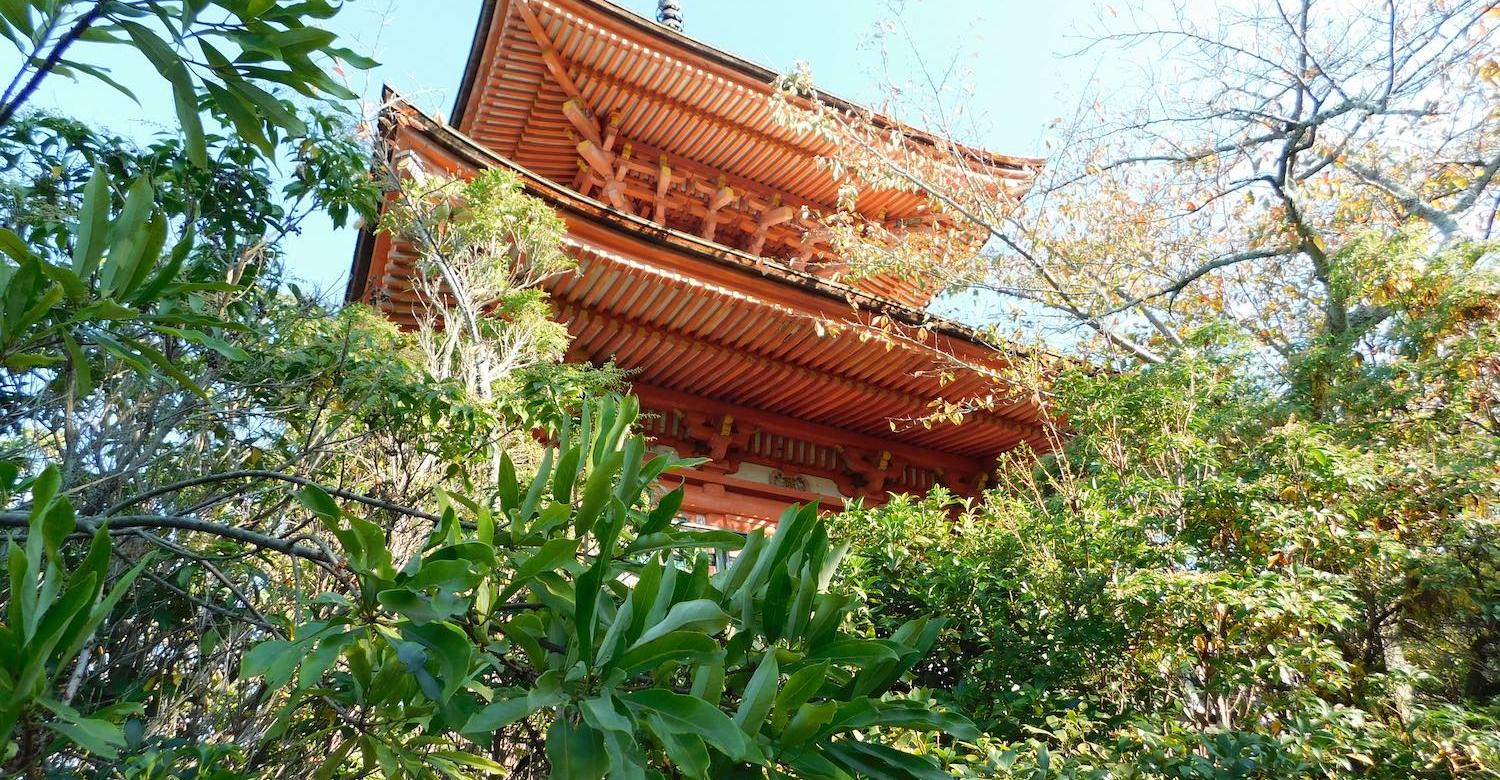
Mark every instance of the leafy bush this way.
pixel 1222 575
pixel 572 626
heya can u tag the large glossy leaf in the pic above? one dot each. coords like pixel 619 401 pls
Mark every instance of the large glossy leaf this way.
pixel 759 695
pixel 552 554
pixel 691 715
pixel 184 98
pixel 93 225
pixel 880 762
pixel 697 615
pixel 680 646
pixel 920 716
pixel 799 688
pixel 452 650
pixel 576 751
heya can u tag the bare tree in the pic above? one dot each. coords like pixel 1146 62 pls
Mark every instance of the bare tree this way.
pixel 1263 141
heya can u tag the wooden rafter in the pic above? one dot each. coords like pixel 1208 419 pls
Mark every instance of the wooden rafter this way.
pixel 550 58
pixel 713 195
pixel 722 197
pixel 663 183
pixel 836 389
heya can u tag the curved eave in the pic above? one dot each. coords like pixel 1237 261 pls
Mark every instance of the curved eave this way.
pixel 568 200
pixel 663 38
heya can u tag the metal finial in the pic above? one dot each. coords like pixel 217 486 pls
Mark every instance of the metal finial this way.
pixel 669 13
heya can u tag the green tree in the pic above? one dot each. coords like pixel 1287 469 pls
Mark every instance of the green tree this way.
pixel 240 543
pixel 1221 576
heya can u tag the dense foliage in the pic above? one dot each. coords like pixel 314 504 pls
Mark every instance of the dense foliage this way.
pixel 1224 576
pixel 250 535
pixel 572 626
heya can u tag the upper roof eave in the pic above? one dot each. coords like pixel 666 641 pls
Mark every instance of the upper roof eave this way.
pixel 451 139
pixel 750 72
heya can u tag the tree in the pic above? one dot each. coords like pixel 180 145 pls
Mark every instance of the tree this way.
pixel 1217 578
pixel 124 271
pixel 570 629
pixel 250 536
pixel 1262 545
pixel 1294 129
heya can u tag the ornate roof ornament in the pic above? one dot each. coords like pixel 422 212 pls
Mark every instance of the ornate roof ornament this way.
pixel 669 13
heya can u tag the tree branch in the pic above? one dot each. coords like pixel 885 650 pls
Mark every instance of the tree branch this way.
pixel 88 525
pixel 54 57
pixel 260 474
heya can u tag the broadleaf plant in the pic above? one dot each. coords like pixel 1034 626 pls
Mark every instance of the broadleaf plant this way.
pixel 543 624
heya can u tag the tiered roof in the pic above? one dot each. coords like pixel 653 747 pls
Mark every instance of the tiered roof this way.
pixel 683 200
pixel 655 123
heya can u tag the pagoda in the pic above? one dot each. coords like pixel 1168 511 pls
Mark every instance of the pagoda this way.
pixel 701 269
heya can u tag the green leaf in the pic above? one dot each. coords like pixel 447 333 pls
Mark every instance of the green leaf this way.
pixel 576 751
pixel 682 646
pixel 57 522
pixel 274 660
pixel 165 364
pixel 146 253
pixel 858 652
pixel 564 475
pixel 552 554
pixel 691 715
pixel 103 608
pixel 774 607
pixel 126 234
pixel 99 737
pixel 534 493
pixel 184 97
pixel 806 722
pixel 272 108
pixel 229 351
pixel 318 661
pixel 800 687
pixel 601 713
pixel 596 492
pixel 500 714
pixel 586 607
pixel 509 488
pixel 685 540
pixel 417 607
pixel 318 500
pixel 83 378
pixel 664 512
pixel 685 749
pixel 12 244
pixel 470 760
pixel 93 225
pixel 760 694
pixel 242 115
pixel 730 580
pixel 102 74
pixel 26 361
pixel 626 760
pixel 69 611
pixel 919 716
pixel 167 274
pixel 868 759
pixel 18 14
pixel 614 638
pixel 36 313
pixel 452 649
pixel 708 678
pixel 698 615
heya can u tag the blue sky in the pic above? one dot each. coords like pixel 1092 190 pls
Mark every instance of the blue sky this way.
pixel 1010 53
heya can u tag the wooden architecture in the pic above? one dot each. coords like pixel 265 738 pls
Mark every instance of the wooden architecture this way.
pixel 692 215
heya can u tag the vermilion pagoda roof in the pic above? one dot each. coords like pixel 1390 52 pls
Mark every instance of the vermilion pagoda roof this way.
pixel 663 159
pixel 675 122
